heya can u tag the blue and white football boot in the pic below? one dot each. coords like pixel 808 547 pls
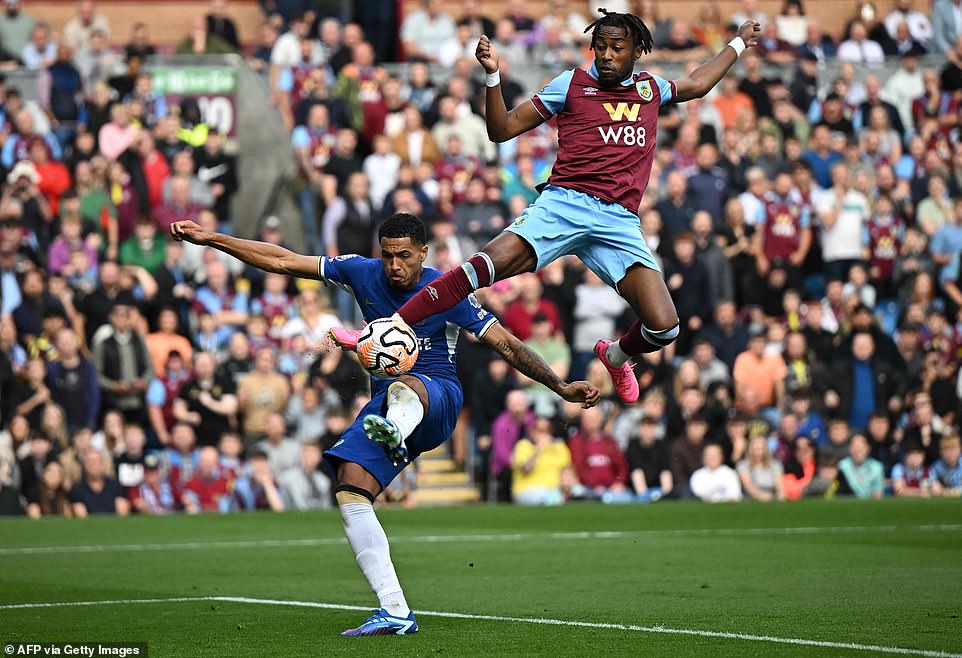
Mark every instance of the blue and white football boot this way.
pixel 382 623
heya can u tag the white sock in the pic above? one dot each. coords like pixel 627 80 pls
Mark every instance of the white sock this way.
pixel 404 408
pixel 615 355
pixel 373 555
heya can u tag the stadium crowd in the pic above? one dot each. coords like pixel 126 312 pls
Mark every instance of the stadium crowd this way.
pixel 809 229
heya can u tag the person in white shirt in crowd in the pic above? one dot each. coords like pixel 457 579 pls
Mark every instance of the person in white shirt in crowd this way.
pixel 303 487
pixel 715 482
pixel 596 309
pixel 859 49
pixel 842 214
pixel 920 27
pixel 424 31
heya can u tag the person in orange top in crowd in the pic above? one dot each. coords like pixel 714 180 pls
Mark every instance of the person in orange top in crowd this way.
pixel 800 469
pixel 731 102
pixel 166 340
pixel 54 176
pixel 760 373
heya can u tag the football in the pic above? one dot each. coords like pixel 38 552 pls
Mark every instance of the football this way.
pixel 387 348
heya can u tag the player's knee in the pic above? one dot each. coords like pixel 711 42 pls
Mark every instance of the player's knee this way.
pixel 348 493
pixel 661 337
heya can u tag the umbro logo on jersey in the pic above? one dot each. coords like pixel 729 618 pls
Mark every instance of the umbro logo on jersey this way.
pixel 433 293
pixel 591 91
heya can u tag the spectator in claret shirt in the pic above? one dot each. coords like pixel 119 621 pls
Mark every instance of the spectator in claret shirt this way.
pixel 597 459
pixel 209 490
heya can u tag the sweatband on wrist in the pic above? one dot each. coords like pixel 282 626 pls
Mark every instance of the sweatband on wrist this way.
pixel 738 44
pixel 493 79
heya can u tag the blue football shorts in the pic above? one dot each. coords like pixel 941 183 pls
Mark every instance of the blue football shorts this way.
pixel 605 235
pixel 445 399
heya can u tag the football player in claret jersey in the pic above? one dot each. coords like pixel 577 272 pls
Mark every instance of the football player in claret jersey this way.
pixel 607 118
pixel 407 416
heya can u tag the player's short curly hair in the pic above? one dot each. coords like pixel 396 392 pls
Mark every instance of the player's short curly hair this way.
pixel 404 225
pixel 633 26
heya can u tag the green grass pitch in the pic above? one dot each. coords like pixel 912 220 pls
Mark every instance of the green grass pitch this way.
pixel 883 575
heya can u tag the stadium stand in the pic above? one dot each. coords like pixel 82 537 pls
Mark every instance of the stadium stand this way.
pixel 807 214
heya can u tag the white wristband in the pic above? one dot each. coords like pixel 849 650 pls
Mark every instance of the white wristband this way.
pixel 738 44
pixel 493 79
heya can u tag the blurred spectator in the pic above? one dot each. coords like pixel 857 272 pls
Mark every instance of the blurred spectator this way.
pixel 689 285
pixel 685 454
pixel 800 469
pixel 864 385
pixel 760 473
pixel 78 31
pixel 96 493
pixel 179 459
pixel 205 403
pixel 556 353
pixel 201 42
pixel 911 477
pixel 759 374
pixel 519 315
pixel 15 26
pixel 49 497
pixel 261 392
pixel 123 363
pixel 73 382
pixel 596 309
pixel 154 495
pixel 538 466
pixel 715 481
pixel 221 25
pixel 861 475
pixel 859 48
pixel 424 31
pixel 647 460
pixel 209 489
pixel 95 60
pixel 41 50
pixel 945 25
pixel 303 486
pixel 179 207
pixel 946 473
pixel 282 452
pixel 597 460
pixel 350 220
pixel 510 425
pixel 166 339
pixel 139 44
pixel 257 489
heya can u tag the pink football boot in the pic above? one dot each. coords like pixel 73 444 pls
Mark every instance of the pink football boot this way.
pixel 626 386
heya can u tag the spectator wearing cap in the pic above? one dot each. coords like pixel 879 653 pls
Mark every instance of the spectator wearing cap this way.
pixel 304 487
pixel 123 362
pixel 96 493
pixel 23 197
pixel 154 495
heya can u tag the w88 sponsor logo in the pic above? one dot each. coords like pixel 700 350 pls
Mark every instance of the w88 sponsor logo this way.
pixel 628 135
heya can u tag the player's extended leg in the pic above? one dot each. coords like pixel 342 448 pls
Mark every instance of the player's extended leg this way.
pixel 355 493
pixel 657 327
pixel 505 256
pixel 407 402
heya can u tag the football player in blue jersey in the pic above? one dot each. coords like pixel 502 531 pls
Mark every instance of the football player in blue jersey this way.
pixel 405 417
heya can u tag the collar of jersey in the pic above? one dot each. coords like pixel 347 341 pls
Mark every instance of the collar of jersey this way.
pixel 593 72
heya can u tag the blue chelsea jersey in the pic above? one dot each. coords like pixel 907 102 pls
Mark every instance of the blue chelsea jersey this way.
pixel 437 335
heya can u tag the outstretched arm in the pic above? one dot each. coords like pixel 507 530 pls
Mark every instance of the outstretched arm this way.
pixel 701 80
pixel 502 124
pixel 523 359
pixel 262 255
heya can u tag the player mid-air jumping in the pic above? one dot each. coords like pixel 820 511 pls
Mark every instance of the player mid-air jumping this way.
pixel 607 119
pixel 410 415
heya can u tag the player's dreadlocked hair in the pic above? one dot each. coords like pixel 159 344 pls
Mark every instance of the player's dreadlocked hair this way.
pixel 634 26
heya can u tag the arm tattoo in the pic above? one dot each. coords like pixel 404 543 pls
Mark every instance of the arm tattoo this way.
pixel 523 359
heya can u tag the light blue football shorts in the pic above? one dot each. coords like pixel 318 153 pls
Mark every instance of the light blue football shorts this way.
pixel 605 235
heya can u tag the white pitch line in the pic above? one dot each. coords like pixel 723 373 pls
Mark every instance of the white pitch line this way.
pixel 748 637
pixel 493 537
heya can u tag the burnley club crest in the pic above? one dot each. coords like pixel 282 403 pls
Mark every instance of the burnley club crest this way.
pixel 643 87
